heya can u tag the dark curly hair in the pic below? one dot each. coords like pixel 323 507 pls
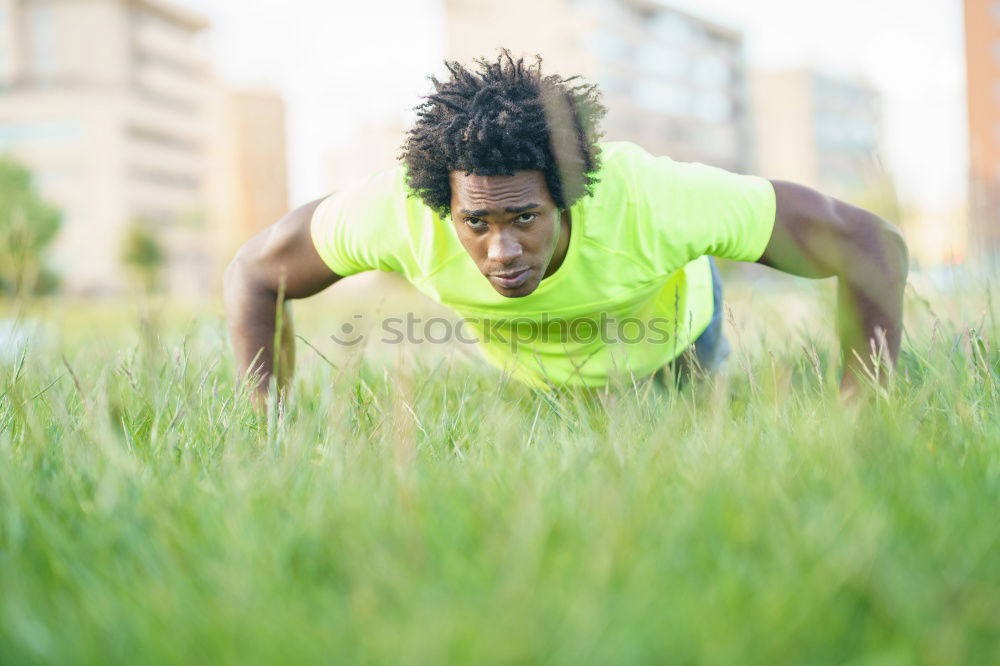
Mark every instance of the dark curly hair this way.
pixel 499 118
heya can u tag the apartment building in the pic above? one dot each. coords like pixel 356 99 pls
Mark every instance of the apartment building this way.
pixel 982 46
pixel 818 130
pixel 106 102
pixel 673 82
pixel 247 171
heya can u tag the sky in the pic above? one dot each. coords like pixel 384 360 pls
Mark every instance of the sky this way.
pixel 341 61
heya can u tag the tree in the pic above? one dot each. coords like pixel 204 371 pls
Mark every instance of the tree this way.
pixel 28 225
pixel 143 253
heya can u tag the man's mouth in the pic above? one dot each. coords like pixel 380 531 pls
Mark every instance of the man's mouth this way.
pixel 512 279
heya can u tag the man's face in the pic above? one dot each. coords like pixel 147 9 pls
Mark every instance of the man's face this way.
pixel 509 225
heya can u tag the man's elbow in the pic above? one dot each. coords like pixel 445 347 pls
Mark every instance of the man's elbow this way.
pixel 242 275
pixel 877 250
pixel 231 274
pixel 235 271
pixel 894 249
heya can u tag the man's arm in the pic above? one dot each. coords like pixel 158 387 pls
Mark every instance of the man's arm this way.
pixel 281 260
pixel 818 236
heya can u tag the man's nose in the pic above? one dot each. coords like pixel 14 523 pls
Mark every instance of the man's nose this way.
pixel 504 248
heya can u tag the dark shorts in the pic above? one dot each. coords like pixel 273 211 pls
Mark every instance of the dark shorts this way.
pixel 710 349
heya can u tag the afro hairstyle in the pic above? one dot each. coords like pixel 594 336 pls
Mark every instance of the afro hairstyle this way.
pixel 500 117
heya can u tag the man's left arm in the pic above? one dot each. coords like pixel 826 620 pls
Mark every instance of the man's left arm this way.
pixel 818 236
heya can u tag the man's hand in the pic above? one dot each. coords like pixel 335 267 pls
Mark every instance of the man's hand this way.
pixel 279 263
pixel 818 236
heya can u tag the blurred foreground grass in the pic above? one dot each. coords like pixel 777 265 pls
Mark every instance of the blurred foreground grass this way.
pixel 415 512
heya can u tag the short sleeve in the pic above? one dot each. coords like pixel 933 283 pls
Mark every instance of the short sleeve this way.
pixel 730 215
pixel 685 210
pixel 360 229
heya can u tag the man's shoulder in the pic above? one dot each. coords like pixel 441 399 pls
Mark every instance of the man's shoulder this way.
pixel 630 168
pixel 624 164
pixel 624 169
pixel 615 155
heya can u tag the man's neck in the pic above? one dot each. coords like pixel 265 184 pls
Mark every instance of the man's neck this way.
pixel 562 246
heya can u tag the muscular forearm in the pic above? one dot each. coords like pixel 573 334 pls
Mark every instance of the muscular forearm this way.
pixel 818 236
pixel 279 262
pixel 252 314
pixel 870 304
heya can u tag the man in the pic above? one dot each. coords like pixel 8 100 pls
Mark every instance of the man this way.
pixel 573 261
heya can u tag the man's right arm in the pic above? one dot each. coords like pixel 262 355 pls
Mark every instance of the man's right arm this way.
pixel 279 260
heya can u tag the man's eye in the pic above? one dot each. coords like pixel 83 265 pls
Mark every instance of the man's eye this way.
pixel 526 218
pixel 475 223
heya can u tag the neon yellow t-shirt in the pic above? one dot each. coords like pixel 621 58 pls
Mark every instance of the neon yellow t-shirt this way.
pixel 633 292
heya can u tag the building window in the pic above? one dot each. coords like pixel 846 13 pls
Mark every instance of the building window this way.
pixel 170 30
pixel 162 139
pixel 170 101
pixel 166 178
pixel 714 107
pixel 660 60
pixel 671 27
pixel 713 72
pixel 669 99
pixel 40 132
pixel 42 42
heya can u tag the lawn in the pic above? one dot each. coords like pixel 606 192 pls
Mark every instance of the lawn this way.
pixel 411 509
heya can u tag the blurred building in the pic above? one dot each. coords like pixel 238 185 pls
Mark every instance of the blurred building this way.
pixel 104 101
pixel 818 130
pixel 112 105
pixel 248 179
pixel 982 46
pixel 673 83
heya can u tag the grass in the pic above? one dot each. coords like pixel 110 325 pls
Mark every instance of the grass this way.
pixel 420 513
